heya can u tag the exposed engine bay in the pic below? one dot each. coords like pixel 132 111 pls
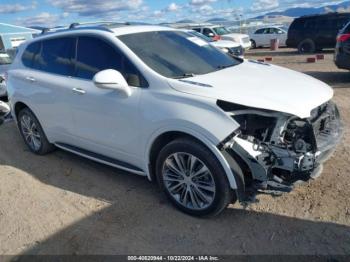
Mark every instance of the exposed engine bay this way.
pixel 279 149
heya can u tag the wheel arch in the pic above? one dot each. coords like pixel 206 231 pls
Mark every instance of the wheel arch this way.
pixel 18 107
pixel 165 137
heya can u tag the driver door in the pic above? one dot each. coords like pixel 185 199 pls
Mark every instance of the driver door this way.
pixel 106 121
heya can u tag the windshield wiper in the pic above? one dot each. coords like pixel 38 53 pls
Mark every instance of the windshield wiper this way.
pixel 223 66
pixel 185 75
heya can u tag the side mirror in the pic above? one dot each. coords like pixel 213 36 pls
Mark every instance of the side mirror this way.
pixel 112 79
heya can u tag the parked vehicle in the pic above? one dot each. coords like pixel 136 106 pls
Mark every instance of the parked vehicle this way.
pixel 313 33
pixel 4 112
pixel 263 36
pixel 154 101
pixel 5 61
pixel 221 33
pixel 229 47
pixel 342 49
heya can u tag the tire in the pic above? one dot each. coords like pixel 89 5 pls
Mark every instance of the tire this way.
pixel 32 133
pixel 185 189
pixel 307 46
pixel 253 44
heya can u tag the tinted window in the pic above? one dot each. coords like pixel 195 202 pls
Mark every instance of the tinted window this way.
pixel 28 55
pixel 207 31
pixel 57 56
pixel 346 29
pixel 197 30
pixel 260 31
pixel 95 55
pixel 177 54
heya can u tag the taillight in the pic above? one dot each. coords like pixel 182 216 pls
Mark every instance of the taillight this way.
pixel 343 37
pixel 217 38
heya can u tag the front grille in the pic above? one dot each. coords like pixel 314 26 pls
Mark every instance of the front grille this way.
pixel 237 51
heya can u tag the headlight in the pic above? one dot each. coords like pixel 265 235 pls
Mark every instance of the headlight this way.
pixel 226 50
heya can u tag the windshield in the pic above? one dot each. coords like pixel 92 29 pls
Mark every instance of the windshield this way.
pixel 195 33
pixel 5 59
pixel 221 30
pixel 177 54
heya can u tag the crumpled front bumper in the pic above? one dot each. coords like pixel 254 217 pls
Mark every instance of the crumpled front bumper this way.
pixel 290 165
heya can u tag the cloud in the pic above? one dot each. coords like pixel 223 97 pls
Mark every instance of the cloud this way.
pixel 263 5
pixel 173 7
pixel 201 2
pixel 16 8
pixel 44 19
pixel 96 7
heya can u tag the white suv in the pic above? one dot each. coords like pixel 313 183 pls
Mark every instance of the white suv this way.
pixel 209 128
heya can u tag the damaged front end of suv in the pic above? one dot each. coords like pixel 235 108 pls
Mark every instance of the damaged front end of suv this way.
pixel 275 150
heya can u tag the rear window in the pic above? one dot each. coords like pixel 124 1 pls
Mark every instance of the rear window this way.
pixel 57 56
pixel 28 55
pixel 346 29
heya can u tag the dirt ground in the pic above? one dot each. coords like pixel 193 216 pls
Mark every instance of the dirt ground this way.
pixel 64 204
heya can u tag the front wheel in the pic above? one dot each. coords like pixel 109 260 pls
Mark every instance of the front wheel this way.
pixel 193 179
pixel 253 44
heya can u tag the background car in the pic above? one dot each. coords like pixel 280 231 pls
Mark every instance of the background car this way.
pixel 221 33
pixel 342 49
pixel 5 61
pixel 313 33
pixel 230 47
pixel 263 36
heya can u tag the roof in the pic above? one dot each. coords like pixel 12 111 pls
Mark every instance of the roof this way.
pixel 125 30
pixel 14 29
pixel 326 14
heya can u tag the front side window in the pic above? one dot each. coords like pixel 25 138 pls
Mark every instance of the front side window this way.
pixel 260 31
pixel 177 54
pixel 221 30
pixel 57 56
pixel 95 55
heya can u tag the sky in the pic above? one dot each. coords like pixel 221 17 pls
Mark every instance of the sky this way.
pixel 61 12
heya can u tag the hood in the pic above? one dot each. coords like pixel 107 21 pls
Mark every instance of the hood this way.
pixel 225 43
pixel 259 85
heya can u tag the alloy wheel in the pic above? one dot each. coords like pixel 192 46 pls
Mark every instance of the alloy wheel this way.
pixel 189 181
pixel 30 132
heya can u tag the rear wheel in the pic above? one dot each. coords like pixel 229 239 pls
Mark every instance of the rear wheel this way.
pixel 192 178
pixel 307 46
pixel 32 133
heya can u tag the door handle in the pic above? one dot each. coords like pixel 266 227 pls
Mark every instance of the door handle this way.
pixel 79 91
pixel 30 79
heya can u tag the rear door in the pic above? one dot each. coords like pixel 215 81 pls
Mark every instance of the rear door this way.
pixel 45 86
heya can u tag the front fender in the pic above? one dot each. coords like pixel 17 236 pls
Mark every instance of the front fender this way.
pixel 200 135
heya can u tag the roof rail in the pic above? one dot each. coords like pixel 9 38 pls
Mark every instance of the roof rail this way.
pixel 103 24
pixel 74 25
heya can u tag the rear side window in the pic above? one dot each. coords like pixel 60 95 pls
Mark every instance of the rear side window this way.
pixel 57 56
pixel 29 53
pixel 95 55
